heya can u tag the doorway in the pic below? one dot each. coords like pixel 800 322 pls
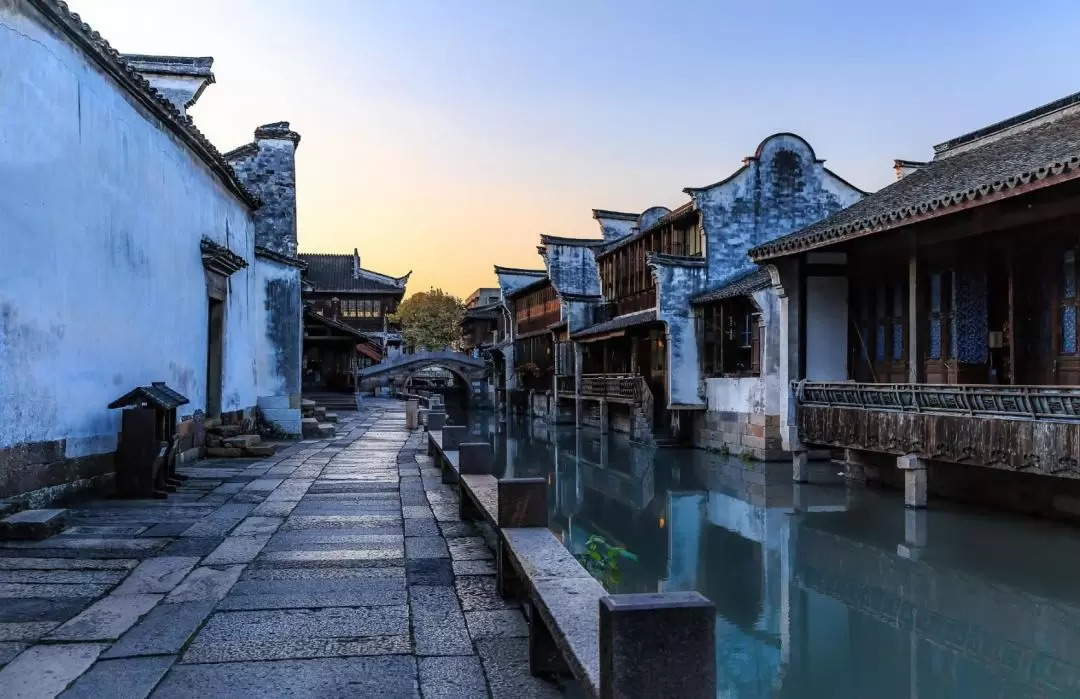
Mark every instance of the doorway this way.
pixel 214 357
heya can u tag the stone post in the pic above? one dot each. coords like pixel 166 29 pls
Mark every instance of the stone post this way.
pixel 657 645
pixel 453 436
pixel 800 466
pixel 522 502
pixel 914 470
pixel 435 420
pixel 915 534
pixel 603 416
pixel 412 414
pixel 854 466
pixel 475 458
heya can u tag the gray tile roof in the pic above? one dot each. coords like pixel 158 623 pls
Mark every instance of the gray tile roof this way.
pixel 623 321
pixel 741 285
pixel 1048 150
pixel 333 272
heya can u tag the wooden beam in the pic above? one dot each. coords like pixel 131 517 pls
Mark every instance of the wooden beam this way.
pixel 915 305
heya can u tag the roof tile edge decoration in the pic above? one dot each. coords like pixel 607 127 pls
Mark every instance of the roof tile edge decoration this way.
pixel 114 65
pixel 986 192
pixel 753 280
pixel 577 242
pixel 662 258
pixel 499 269
pixel 269 254
pixel 614 215
pixel 219 258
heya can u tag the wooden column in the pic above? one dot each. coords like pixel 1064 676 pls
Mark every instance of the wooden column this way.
pixel 1011 337
pixel 915 305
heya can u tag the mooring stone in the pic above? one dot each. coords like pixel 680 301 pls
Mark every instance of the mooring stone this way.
pixel 523 502
pixel 33 524
pixel 475 458
pixel 657 645
pixel 435 420
pixel 453 436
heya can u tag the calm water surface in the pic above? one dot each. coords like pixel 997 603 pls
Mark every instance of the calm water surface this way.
pixel 824 590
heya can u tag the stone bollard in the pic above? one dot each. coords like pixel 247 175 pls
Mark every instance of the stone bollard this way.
pixel 421 417
pixel 914 470
pixel 523 502
pixel 435 420
pixel 412 408
pixel 657 645
pixel 453 436
pixel 800 466
pixel 475 458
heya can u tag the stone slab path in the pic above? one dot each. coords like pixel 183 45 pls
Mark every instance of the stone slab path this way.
pixel 338 567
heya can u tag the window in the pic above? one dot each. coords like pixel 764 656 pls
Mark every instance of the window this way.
pixel 730 337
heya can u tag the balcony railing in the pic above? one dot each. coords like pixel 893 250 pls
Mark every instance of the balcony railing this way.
pixel 1015 402
pixel 565 384
pixel 626 387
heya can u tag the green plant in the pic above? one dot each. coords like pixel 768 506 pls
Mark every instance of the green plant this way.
pixel 747 455
pixel 601 560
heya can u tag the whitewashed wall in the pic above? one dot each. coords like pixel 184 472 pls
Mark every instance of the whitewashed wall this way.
pixel 101 213
pixel 826 328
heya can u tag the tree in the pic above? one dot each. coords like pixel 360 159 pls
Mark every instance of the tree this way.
pixel 429 320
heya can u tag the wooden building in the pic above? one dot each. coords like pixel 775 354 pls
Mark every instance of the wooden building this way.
pixel 936 320
pixel 346 319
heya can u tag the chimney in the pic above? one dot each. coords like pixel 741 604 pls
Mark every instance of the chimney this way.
pixel 179 79
pixel 356 263
pixel 267 167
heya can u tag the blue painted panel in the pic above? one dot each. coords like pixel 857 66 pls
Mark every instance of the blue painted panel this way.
pixel 1068 330
pixel 970 316
pixel 898 342
pixel 935 292
pixel 935 338
pixel 879 346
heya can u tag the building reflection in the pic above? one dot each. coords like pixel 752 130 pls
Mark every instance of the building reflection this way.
pixel 821 591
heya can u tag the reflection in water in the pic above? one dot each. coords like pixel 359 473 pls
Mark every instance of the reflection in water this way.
pixel 820 591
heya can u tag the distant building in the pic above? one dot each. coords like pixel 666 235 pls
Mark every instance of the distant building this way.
pixel 346 319
pixel 482 297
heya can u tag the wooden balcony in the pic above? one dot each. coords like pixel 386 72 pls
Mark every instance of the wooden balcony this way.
pixel 1029 429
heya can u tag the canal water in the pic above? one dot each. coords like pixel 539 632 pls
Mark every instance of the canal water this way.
pixel 829 590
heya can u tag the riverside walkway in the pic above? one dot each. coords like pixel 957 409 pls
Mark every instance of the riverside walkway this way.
pixel 338 567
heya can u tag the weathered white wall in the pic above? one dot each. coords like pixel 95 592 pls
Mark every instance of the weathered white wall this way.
pixel 101 214
pixel 276 366
pixel 676 284
pixel 826 328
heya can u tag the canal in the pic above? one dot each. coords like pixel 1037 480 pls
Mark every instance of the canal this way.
pixel 827 590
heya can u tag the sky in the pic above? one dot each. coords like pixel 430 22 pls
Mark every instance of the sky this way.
pixel 445 136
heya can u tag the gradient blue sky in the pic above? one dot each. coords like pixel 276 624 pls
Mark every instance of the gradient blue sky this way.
pixel 445 136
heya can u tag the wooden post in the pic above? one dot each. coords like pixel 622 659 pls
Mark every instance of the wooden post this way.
pixel 915 305
pixel 1011 339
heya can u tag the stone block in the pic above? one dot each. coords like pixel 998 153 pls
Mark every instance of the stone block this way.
pixel 33 524
pixel 658 645
pixel 800 467
pixel 225 431
pixel 330 417
pixel 755 430
pixel 309 427
pixel 241 441
pixel 522 502
pixel 326 429
pixel 435 420
pixel 752 442
pixel 224 452
pixel 260 450
pixel 453 436
pixel 475 458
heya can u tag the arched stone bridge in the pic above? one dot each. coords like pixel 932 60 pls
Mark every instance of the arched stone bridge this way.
pixel 397 370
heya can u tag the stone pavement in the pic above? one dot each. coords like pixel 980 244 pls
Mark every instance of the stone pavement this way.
pixel 338 567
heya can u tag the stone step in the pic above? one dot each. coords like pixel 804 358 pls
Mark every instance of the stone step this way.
pixel 225 430
pixel 241 441
pixel 326 429
pixel 320 411
pixel 309 426
pixel 224 452
pixel 32 524
pixel 261 450
pixel 330 417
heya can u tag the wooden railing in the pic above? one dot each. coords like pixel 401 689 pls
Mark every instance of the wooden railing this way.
pixel 565 385
pixel 627 387
pixel 1014 402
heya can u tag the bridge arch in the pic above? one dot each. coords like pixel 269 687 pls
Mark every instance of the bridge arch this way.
pixel 400 369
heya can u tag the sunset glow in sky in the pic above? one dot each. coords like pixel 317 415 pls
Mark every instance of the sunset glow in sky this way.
pixel 444 136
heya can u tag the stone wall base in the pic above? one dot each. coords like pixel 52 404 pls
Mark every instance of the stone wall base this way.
pixel 750 435
pixel 277 411
pixel 1023 493
pixel 39 473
